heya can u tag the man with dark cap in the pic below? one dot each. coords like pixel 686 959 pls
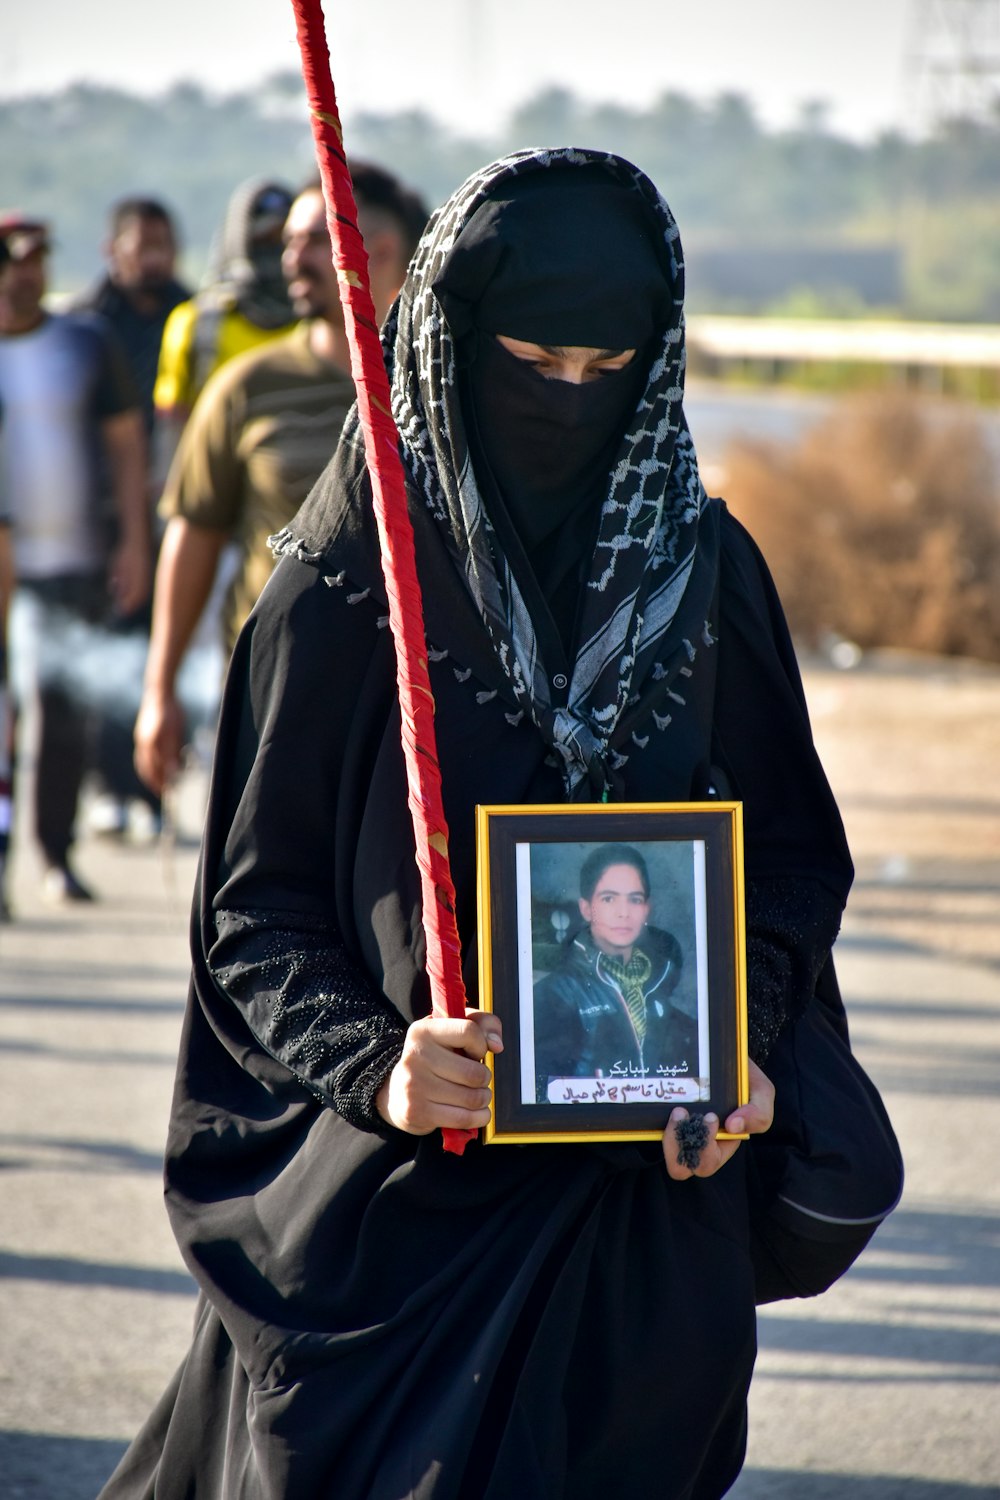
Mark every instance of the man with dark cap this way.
pixel 379 1318
pixel 139 289
pixel 135 296
pixel 71 426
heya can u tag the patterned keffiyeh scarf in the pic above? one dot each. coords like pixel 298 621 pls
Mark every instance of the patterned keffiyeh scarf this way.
pixel 631 976
pixel 648 531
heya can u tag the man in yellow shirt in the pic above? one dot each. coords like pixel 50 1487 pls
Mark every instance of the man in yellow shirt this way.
pixel 243 303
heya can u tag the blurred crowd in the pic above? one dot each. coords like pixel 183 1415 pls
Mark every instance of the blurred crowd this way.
pixel 151 439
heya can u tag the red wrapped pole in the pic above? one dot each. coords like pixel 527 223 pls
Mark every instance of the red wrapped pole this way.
pixel 406 618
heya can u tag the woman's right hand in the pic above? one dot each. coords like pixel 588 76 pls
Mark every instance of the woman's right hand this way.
pixel 441 1080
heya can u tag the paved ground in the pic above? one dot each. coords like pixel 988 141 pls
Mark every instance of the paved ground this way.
pixel 885 1389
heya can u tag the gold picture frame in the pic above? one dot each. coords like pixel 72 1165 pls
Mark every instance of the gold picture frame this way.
pixel 612 947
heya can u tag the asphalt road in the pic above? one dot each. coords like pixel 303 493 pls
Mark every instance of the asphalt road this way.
pixel 886 1388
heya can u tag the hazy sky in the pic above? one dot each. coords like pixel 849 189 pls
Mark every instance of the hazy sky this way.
pixel 470 61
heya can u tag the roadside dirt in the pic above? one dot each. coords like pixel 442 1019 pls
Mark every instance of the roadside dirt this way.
pixel 911 745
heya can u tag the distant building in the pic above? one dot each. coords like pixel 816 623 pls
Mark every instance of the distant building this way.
pixel 750 277
pixel 959 357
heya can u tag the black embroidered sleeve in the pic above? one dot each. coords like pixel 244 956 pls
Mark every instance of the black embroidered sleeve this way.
pixel 791 927
pixel 310 1007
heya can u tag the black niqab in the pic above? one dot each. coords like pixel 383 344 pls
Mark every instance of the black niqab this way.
pixel 542 451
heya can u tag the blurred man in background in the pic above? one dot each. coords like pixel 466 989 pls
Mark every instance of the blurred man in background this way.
pixel 71 426
pixel 259 437
pixel 6 718
pixel 136 294
pixel 139 288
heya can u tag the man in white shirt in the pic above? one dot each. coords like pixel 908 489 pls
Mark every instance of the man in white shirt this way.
pixel 72 430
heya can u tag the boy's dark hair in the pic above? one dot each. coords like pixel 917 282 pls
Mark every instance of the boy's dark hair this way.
pixel 602 858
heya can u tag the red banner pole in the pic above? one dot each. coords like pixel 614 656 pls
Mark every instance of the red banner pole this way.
pixel 406 619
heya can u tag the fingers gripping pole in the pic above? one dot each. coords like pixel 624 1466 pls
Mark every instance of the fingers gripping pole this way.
pixel 423 775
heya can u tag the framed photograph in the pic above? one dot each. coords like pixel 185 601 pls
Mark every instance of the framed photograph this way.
pixel 612 947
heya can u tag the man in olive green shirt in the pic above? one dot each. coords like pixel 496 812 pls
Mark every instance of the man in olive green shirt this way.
pixel 260 435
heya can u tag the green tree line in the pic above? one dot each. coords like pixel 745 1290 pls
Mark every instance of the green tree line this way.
pixel 732 182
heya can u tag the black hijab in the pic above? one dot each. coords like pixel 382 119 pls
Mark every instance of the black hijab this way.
pixel 642 573
pixel 570 258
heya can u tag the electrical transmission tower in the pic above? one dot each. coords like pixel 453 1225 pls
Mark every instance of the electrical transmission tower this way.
pixel 953 61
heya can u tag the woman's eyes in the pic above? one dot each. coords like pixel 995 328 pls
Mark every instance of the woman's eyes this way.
pixel 593 372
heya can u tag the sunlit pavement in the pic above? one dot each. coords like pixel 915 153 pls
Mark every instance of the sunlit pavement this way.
pixel 888 1386
pixel 95 1303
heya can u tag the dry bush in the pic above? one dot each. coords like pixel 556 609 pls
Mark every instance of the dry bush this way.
pixel 882 526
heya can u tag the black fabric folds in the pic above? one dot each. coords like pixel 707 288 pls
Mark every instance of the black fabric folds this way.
pixel 380 1319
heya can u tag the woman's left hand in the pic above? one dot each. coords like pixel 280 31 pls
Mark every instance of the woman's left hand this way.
pixel 754 1118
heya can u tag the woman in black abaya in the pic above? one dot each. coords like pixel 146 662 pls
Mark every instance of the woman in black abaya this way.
pixel 380 1319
